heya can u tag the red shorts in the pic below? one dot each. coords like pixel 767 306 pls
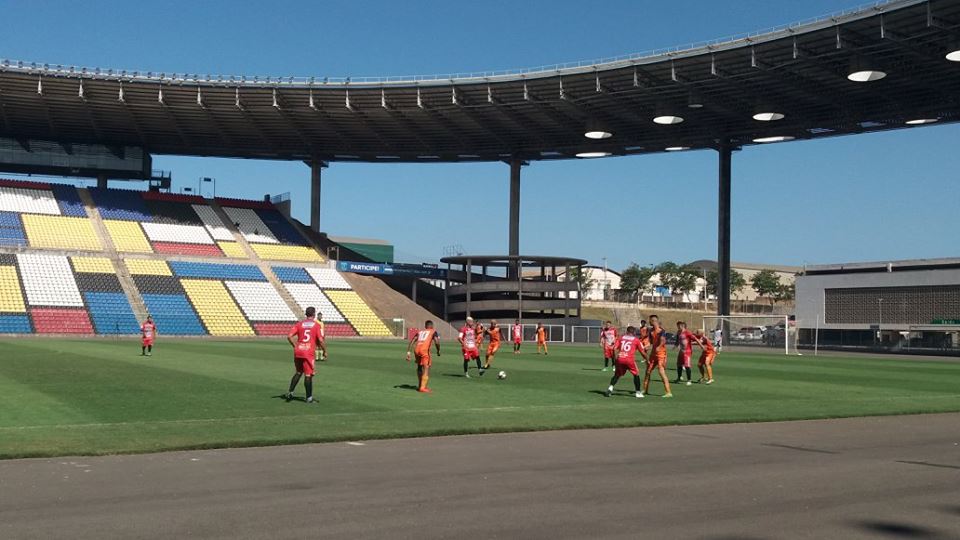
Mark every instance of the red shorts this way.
pixel 471 354
pixel 624 366
pixel 517 340
pixel 147 342
pixel 304 365
pixel 609 352
pixel 683 358
pixel 424 360
pixel 493 348
pixel 654 361
pixel 706 359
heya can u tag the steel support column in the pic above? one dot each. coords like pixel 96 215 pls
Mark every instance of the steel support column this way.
pixel 723 231
pixel 101 181
pixel 514 244
pixel 316 167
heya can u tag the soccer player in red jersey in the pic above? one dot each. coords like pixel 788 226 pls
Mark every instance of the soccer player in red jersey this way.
pixel 627 347
pixel 304 337
pixel 494 332
pixel 148 331
pixel 706 357
pixel 608 338
pixel 424 339
pixel 656 356
pixel 517 331
pixel 685 345
pixel 468 344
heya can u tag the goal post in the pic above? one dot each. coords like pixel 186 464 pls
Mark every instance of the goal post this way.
pixel 772 331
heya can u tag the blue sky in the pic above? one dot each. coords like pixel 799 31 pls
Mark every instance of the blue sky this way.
pixel 880 196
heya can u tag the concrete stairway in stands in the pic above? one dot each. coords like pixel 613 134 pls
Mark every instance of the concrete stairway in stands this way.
pixel 123 273
pixel 388 304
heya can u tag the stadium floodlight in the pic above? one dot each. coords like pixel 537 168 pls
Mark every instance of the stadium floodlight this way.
pixel 695 100
pixel 773 139
pixel 676 148
pixel 953 50
pixel 921 121
pixel 765 112
pixel 865 70
pixel 593 154
pixel 595 130
pixel 666 115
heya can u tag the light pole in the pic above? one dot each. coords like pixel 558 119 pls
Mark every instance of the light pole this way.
pixel 206 179
pixel 880 322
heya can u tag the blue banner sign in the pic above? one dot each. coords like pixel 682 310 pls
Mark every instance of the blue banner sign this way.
pixel 396 269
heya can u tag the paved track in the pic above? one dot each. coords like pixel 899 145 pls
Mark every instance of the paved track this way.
pixel 892 477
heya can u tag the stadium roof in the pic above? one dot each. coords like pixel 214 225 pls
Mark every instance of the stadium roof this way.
pixel 884 266
pixel 799 71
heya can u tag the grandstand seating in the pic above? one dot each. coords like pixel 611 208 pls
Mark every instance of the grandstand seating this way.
pixel 78 290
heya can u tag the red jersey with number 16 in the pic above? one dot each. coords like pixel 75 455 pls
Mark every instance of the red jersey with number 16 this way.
pixel 309 332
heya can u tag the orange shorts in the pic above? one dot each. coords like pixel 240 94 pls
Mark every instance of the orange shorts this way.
pixel 654 361
pixel 493 348
pixel 706 359
pixel 424 360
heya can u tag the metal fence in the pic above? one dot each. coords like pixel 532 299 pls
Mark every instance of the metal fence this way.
pixel 556 333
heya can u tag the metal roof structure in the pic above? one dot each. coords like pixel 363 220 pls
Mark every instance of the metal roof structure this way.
pixel 799 71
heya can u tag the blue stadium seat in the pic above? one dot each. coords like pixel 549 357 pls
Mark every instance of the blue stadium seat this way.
pixel 69 200
pixel 281 228
pixel 120 204
pixel 15 324
pixel 291 274
pixel 174 314
pixel 111 313
pixel 216 271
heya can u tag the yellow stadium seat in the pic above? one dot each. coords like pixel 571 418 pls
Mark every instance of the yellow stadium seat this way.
pixel 358 313
pixel 93 265
pixel 11 297
pixel 220 314
pixel 232 249
pixel 127 236
pixel 148 267
pixel 277 252
pixel 60 232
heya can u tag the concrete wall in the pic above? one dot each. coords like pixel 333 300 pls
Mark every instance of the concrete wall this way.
pixel 810 292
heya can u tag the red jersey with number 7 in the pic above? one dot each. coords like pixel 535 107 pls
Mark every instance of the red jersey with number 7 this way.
pixel 309 332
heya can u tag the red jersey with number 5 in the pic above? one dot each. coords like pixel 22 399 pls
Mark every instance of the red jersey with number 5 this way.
pixel 309 332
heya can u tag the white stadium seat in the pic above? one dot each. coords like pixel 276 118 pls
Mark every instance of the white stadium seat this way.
pixel 328 278
pixel 251 226
pixel 48 280
pixel 260 301
pixel 28 201
pixel 308 294
pixel 213 223
pixel 169 232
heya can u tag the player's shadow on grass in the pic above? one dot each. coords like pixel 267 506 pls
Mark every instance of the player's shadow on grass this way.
pixel 897 529
pixel 294 398
pixel 405 387
pixel 457 375
pixel 591 369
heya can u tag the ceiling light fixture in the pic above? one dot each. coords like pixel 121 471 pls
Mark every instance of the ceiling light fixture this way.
pixel 921 121
pixel 595 130
pixel 593 154
pixel 865 70
pixel 773 139
pixel 953 51
pixel 767 114
pixel 676 148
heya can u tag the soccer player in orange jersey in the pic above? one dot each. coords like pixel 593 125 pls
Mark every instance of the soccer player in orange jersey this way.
pixel 626 347
pixel 656 356
pixel 424 339
pixel 148 331
pixel 517 331
pixel 541 338
pixel 468 344
pixel 706 357
pixel 494 332
pixel 608 338
pixel 305 337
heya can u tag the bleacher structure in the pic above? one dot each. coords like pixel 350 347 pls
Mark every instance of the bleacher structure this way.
pixel 95 261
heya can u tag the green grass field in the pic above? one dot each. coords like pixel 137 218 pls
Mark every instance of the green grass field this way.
pixel 64 397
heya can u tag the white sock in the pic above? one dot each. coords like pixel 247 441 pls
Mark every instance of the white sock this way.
pixel 610 388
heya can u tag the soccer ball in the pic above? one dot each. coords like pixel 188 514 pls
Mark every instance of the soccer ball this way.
pixel 502 375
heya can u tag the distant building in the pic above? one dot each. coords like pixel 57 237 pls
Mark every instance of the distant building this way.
pixel 897 304
pixel 787 275
pixel 602 282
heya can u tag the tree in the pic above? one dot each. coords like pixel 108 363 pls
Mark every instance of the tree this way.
pixel 737 282
pixel 766 282
pixel 581 278
pixel 785 292
pixel 636 278
pixel 679 279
